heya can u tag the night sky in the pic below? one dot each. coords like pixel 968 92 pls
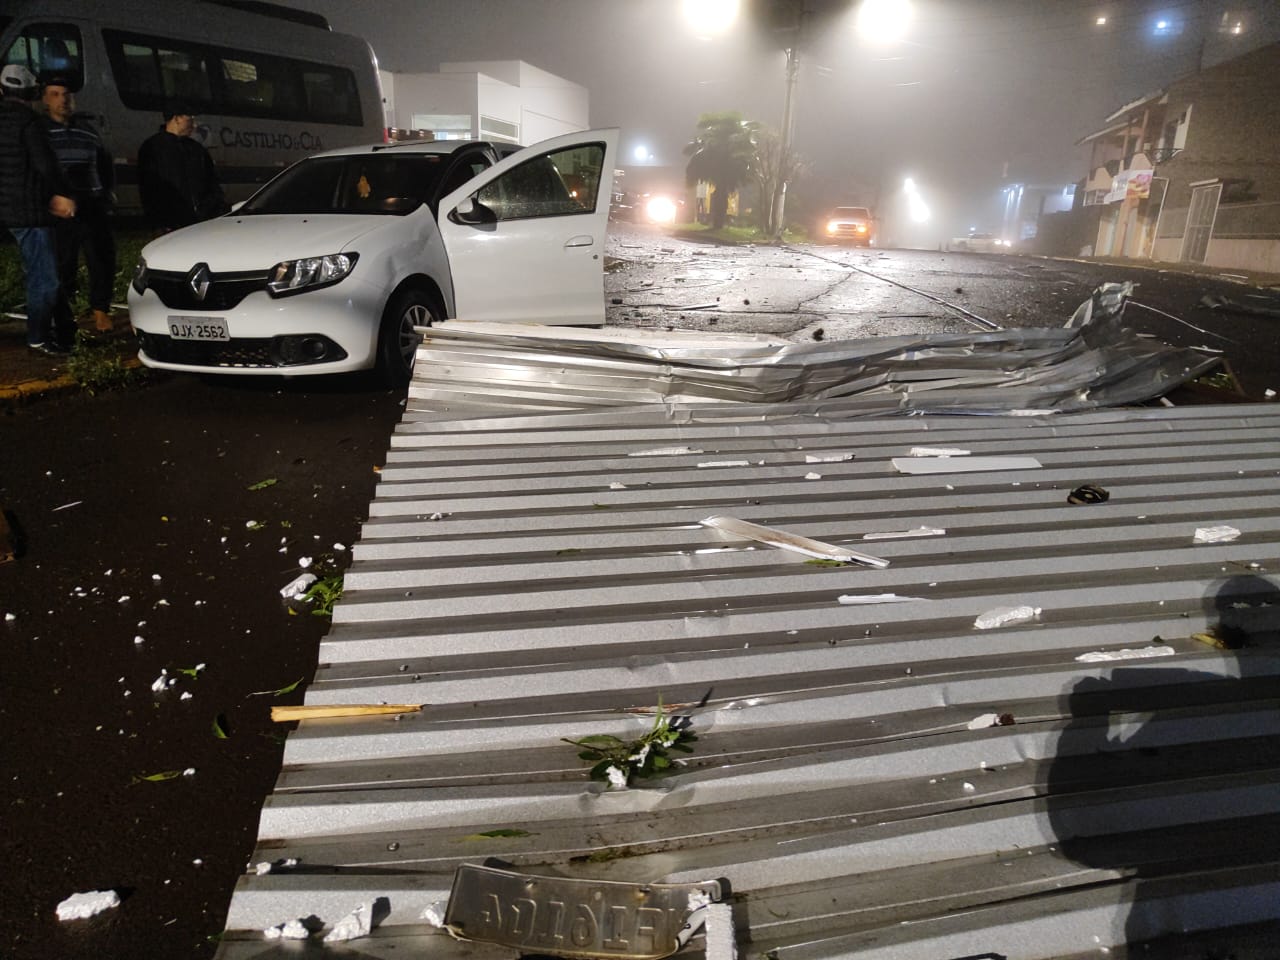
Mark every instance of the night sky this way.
pixel 981 93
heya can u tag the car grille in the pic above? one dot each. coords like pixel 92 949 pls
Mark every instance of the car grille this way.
pixel 238 352
pixel 226 290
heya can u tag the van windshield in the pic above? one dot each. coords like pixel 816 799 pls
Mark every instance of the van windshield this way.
pixel 381 183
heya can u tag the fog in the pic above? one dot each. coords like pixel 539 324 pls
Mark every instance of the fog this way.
pixel 980 95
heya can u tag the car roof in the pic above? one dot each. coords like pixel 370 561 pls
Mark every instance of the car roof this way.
pixel 412 147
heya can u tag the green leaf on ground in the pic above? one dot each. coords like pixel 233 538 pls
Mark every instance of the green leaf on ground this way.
pixel 263 484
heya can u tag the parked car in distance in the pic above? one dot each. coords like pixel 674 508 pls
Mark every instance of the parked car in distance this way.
pixel 979 243
pixel 853 225
pixel 335 264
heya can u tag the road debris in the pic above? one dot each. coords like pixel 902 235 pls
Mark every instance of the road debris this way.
pixel 789 541
pixel 1006 616
pixel 1138 653
pixel 900 534
pixel 81 906
pixel 297 588
pixel 292 930
pixel 937 452
pixel 1218 534
pixel 850 599
pixel 318 711
pixel 1089 493
pixel 967 464
pixel 358 923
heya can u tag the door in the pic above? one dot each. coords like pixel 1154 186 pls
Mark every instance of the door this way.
pixel 525 239
pixel 1204 210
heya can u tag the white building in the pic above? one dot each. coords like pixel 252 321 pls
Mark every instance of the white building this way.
pixel 505 100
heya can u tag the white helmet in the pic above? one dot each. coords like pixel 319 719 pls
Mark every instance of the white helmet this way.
pixel 17 80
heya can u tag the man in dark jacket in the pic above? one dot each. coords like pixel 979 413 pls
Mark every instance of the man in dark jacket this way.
pixel 176 178
pixel 87 168
pixel 32 196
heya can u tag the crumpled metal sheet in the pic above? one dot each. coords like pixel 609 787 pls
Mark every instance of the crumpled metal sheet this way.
pixel 1093 361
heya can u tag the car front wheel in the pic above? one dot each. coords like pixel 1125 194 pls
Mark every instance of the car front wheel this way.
pixel 397 339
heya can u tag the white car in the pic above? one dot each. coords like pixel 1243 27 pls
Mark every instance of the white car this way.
pixel 979 243
pixel 331 266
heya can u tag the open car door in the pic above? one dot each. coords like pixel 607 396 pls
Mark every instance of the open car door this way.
pixel 525 238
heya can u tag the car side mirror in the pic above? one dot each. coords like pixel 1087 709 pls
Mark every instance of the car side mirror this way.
pixel 471 211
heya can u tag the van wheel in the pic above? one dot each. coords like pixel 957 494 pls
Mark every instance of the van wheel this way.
pixel 397 340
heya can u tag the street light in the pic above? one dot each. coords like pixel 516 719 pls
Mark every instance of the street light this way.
pixel 884 21
pixel 710 17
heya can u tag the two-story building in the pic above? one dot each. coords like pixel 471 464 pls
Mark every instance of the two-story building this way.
pixel 1191 173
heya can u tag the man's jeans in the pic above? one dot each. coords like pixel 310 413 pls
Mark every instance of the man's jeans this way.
pixel 40 268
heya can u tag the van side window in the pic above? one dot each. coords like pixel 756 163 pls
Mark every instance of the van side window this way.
pixel 50 50
pixel 151 72
pixel 238 83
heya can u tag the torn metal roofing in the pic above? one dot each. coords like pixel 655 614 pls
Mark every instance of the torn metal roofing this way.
pixel 870 779
pixel 1093 361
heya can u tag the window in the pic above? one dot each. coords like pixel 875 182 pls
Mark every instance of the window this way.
pixel 50 50
pixel 150 72
pixel 383 183
pixel 555 184
pixel 495 129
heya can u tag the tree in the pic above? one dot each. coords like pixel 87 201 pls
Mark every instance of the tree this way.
pixel 721 155
pixel 772 167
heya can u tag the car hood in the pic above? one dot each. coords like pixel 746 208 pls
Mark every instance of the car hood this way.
pixel 259 242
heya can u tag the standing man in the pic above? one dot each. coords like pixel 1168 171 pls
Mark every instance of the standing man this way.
pixel 87 169
pixel 176 178
pixel 32 197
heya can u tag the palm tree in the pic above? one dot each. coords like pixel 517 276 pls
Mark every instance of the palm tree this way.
pixel 721 155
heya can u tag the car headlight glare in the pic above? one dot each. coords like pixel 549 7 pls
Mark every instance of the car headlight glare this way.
pixel 309 273
pixel 140 276
pixel 862 228
pixel 832 226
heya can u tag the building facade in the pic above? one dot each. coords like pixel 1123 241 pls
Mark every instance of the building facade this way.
pixel 504 100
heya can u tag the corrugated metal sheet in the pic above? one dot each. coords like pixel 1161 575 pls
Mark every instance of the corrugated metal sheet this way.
pixel 1094 361
pixel 535 578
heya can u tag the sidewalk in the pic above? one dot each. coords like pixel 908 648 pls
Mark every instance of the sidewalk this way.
pixel 26 374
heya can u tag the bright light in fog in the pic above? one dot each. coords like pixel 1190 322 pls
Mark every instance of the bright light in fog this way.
pixel 641 153
pixel 661 210
pixel 710 17
pixel 1101 21
pixel 917 209
pixel 884 20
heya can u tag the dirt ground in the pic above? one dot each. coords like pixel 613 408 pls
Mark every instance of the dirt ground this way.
pixel 144 557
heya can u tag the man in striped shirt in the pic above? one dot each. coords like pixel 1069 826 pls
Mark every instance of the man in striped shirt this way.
pixel 87 168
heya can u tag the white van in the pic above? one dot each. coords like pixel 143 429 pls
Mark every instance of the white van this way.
pixel 270 85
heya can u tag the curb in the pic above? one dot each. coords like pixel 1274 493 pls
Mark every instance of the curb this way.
pixel 24 391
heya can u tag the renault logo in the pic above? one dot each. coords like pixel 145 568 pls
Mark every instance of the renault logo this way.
pixel 198 279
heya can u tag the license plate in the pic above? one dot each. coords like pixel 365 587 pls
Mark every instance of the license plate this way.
pixel 198 328
pixel 567 917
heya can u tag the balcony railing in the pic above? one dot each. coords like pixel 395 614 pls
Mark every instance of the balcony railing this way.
pixel 1163 154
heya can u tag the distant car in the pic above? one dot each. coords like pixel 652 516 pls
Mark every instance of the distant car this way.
pixel 979 243
pixel 333 265
pixel 853 225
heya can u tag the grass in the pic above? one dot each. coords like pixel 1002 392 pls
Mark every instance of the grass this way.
pixel 131 236
pixel 731 234
pixel 104 364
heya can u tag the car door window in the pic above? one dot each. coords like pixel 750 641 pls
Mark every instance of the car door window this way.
pixel 560 183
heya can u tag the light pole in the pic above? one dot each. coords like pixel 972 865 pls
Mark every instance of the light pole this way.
pixel 788 119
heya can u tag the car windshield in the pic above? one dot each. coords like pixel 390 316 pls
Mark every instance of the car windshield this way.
pixel 392 184
pixel 860 213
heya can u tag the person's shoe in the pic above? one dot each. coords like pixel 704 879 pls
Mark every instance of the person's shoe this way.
pixel 102 321
pixel 50 348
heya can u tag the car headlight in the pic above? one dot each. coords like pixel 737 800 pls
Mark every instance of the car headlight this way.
pixel 832 226
pixel 140 276
pixel 310 273
pixel 862 228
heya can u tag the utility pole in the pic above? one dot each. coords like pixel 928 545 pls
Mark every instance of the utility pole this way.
pixel 788 117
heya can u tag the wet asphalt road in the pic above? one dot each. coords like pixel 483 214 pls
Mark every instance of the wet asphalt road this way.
pixel 145 495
